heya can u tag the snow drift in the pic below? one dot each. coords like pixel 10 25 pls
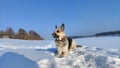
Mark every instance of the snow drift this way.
pixel 102 52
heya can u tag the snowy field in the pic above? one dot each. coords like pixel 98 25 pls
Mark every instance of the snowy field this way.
pixel 101 52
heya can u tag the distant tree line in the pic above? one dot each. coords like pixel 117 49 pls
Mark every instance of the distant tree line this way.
pixel 21 34
pixel 110 33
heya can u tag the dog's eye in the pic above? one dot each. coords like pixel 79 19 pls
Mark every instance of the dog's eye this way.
pixel 58 31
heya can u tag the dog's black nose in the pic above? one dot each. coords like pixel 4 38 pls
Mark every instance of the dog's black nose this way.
pixel 54 35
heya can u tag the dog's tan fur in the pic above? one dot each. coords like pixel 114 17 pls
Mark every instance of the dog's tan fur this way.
pixel 62 42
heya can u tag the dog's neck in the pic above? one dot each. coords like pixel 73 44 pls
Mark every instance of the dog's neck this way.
pixel 63 39
pixel 63 42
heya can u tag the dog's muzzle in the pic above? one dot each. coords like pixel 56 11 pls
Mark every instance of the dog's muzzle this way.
pixel 55 35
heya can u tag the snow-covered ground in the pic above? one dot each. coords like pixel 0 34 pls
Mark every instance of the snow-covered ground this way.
pixel 101 52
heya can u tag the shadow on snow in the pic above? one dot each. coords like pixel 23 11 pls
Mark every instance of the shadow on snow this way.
pixel 14 60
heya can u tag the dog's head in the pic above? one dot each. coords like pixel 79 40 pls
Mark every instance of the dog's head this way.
pixel 59 33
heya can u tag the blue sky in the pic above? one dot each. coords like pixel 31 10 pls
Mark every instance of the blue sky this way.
pixel 81 17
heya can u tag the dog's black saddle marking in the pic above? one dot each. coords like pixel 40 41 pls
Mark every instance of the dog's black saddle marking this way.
pixel 69 42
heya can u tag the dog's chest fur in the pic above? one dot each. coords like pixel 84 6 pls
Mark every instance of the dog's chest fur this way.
pixel 65 43
pixel 62 43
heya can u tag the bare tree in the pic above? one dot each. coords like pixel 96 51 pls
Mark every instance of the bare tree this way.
pixel 34 35
pixel 1 34
pixel 9 32
pixel 22 33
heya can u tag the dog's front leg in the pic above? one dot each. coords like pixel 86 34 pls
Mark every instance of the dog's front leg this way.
pixel 64 54
pixel 59 53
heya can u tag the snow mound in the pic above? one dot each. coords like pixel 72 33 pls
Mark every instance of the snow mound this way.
pixel 83 58
pixel 102 52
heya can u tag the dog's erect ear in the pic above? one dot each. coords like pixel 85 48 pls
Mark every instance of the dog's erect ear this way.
pixel 62 27
pixel 56 27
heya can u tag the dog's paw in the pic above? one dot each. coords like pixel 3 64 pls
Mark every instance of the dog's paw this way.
pixel 58 56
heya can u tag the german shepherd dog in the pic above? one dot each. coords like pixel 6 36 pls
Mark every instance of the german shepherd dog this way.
pixel 64 44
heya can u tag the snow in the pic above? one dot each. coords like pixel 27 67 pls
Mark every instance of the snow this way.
pixel 97 52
